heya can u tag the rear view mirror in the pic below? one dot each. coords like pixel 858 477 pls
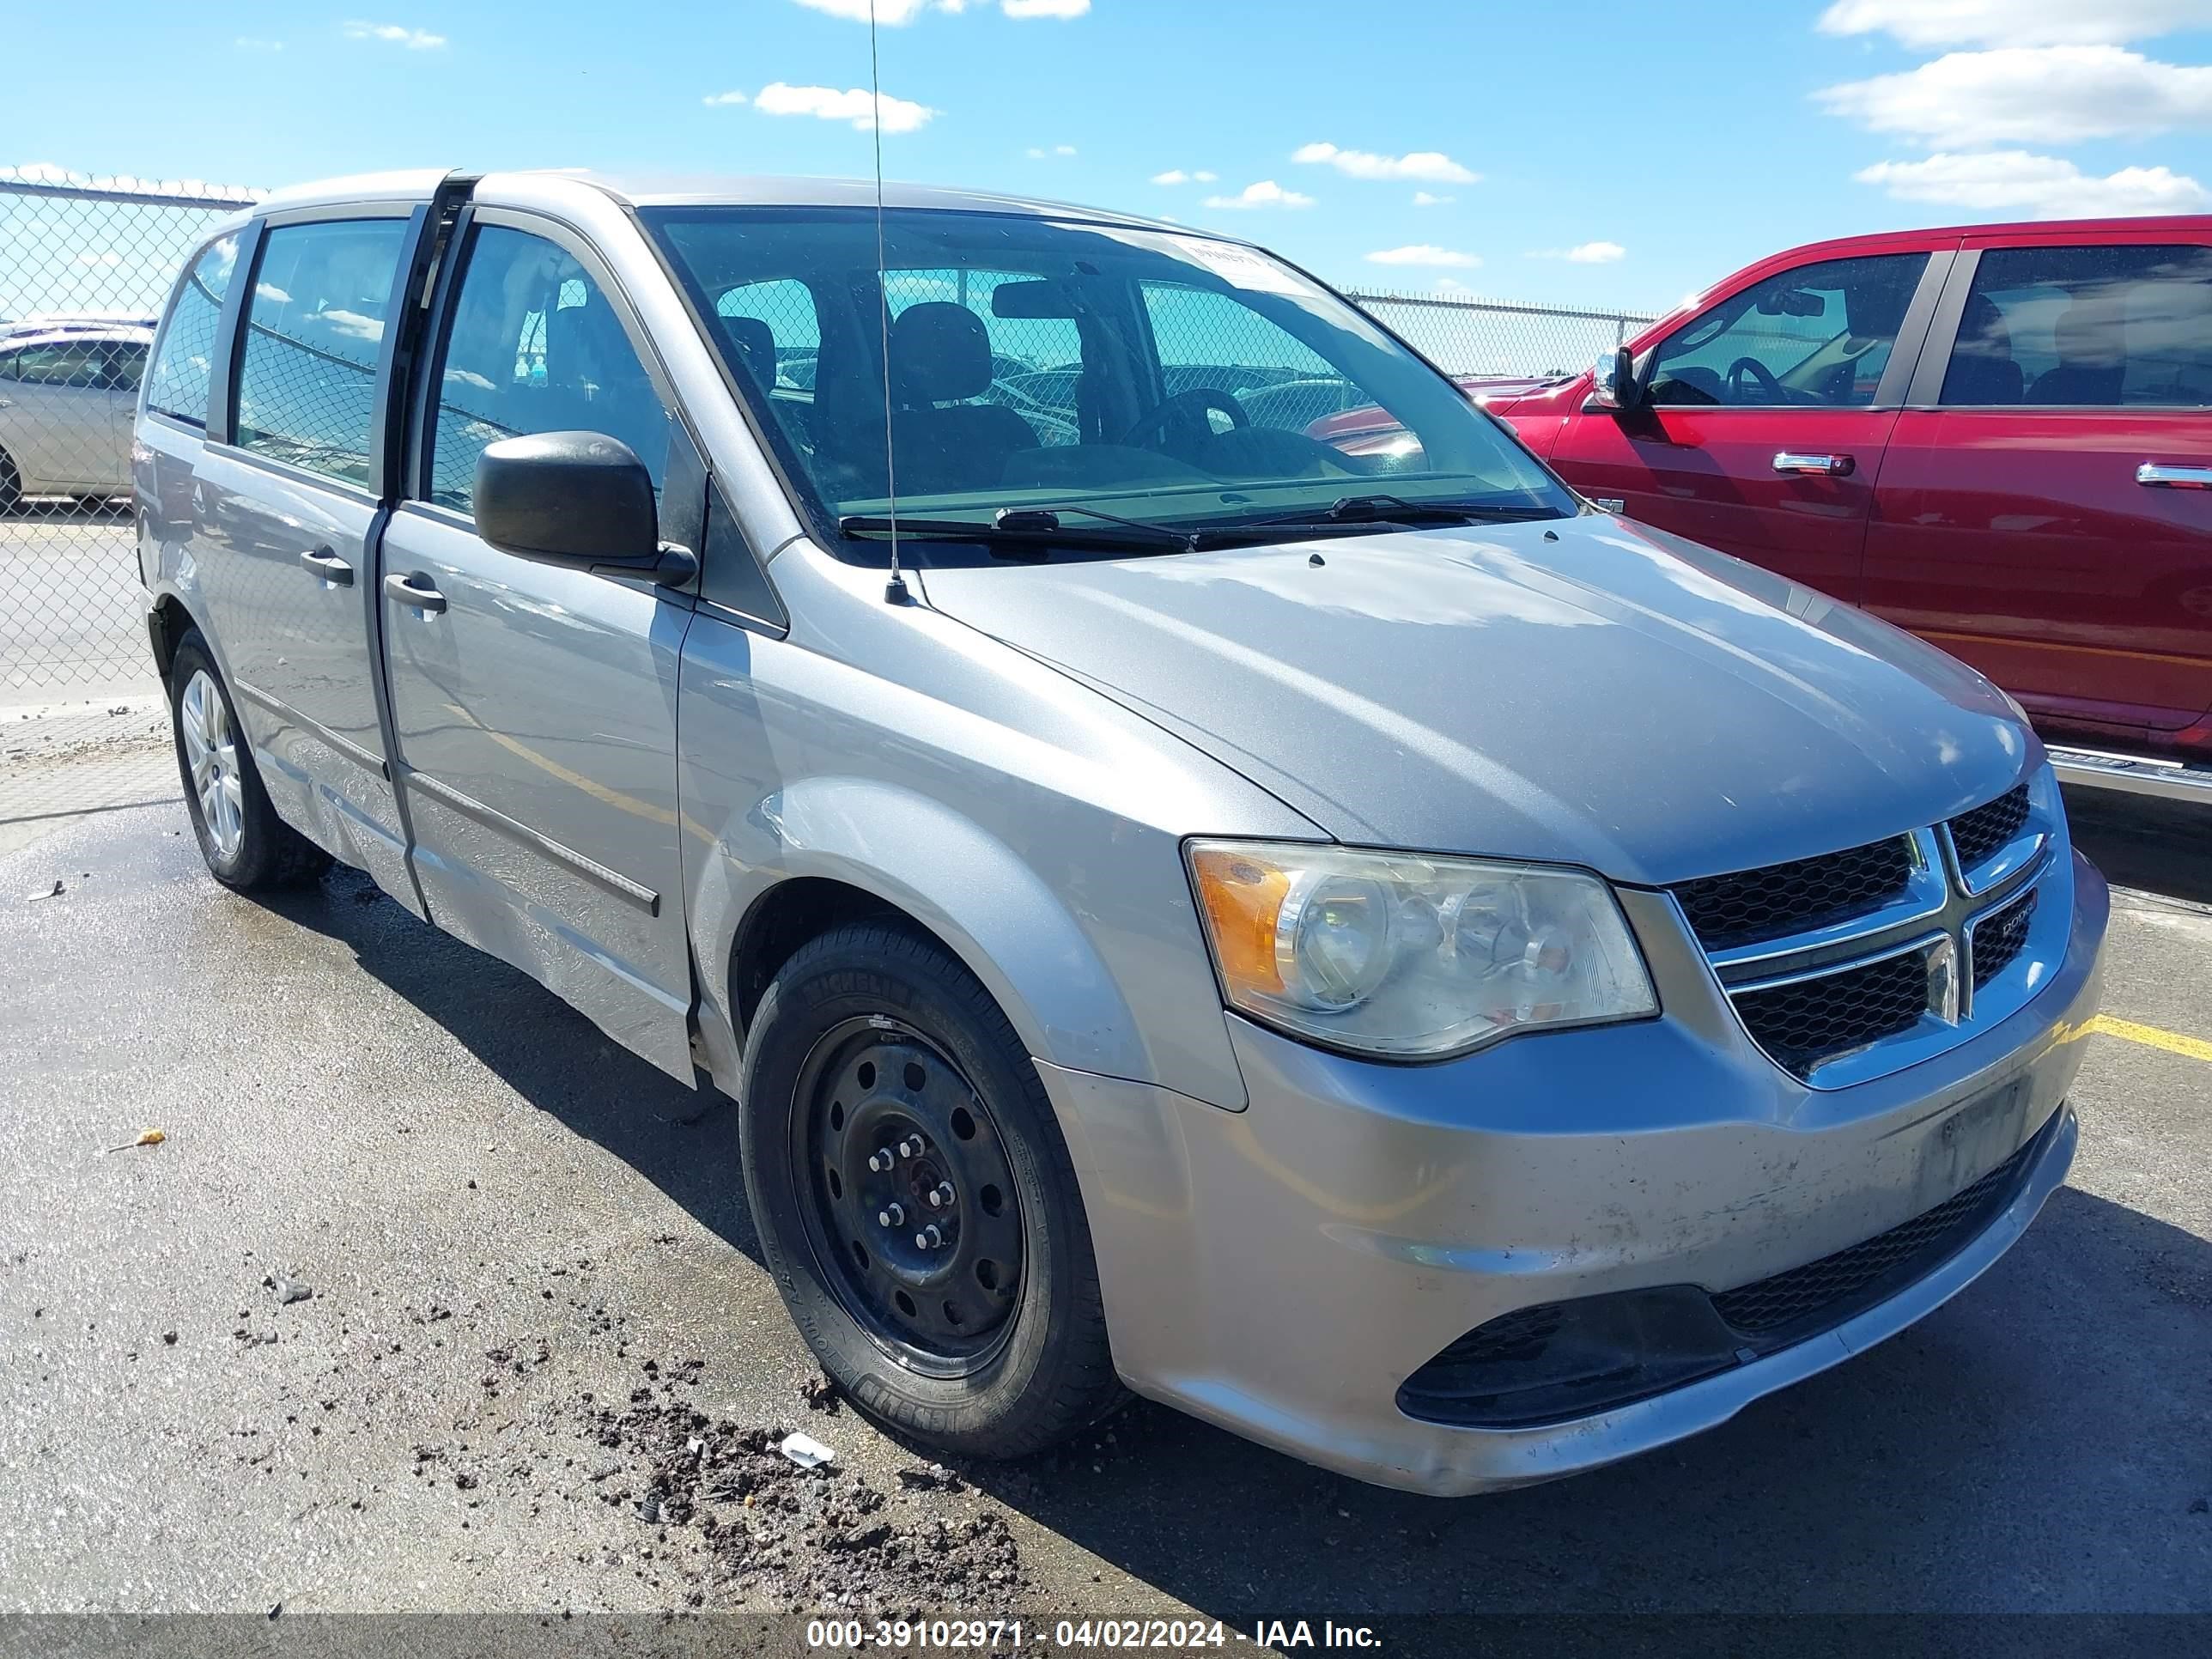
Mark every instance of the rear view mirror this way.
pixel 1614 383
pixel 1791 302
pixel 1043 298
pixel 578 498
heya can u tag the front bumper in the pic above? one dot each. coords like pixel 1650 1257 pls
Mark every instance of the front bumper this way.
pixel 1283 1270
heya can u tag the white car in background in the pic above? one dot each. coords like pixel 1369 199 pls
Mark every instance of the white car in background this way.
pixel 68 396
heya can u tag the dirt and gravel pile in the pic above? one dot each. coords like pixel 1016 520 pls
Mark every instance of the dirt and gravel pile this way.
pixel 772 1531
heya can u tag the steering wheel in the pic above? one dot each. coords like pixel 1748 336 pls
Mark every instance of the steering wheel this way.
pixel 1743 368
pixel 1192 404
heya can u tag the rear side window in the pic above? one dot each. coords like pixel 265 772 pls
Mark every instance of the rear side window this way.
pixel 181 373
pixel 306 373
pixel 535 346
pixel 78 363
pixel 1818 336
pixel 2085 328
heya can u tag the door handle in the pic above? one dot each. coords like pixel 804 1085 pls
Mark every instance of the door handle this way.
pixel 328 566
pixel 415 591
pixel 1822 466
pixel 2160 475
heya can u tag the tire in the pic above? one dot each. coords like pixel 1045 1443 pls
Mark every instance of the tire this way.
pixel 11 484
pixel 1026 1362
pixel 247 847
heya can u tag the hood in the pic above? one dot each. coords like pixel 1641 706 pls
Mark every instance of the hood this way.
pixel 1600 695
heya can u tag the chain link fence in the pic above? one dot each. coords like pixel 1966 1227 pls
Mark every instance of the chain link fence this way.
pixel 1500 338
pixel 86 265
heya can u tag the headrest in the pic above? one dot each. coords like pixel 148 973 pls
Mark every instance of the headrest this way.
pixel 2087 333
pixel 940 351
pixel 1983 325
pixel 752 345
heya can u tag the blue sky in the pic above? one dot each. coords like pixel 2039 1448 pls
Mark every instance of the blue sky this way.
pixel 1473 144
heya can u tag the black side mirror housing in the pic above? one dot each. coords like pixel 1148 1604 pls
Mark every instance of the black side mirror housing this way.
pixel 581 500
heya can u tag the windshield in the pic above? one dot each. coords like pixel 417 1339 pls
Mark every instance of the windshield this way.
pixel 1107 373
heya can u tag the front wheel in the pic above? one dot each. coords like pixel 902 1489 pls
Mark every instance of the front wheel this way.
pixel 246 844
pixel 915 1201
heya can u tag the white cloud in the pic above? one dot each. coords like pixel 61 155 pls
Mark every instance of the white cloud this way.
pixel 1584 253
pixel 726 98
pixel 2032 95
pixel 853 105
pixel 1265 194
pixel 1426 198
pixel 1178 176
pixel 2015 22
pixel 1433 166
pixel 107 260
pixel 413 40
pixel 1422 253
pixel 2038 186
pixel 1039 152
pixel 1061 9
pixel 891 14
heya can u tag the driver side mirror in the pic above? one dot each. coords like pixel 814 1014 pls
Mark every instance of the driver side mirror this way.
pixel 580 500
pixel 1614 385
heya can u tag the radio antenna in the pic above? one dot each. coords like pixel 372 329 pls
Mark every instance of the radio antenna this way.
pixel 894 590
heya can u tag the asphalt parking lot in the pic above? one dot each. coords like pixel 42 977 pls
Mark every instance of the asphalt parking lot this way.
pixel 70 605
pixel 530 1264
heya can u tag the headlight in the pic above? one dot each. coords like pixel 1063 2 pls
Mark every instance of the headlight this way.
pixel 1414 957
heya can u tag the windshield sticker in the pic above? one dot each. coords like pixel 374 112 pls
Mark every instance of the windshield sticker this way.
pixel 1244 267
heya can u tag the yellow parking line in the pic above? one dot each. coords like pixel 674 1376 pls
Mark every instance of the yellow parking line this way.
pixel 2173 1042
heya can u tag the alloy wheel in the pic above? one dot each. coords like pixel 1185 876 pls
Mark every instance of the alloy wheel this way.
pixel 211 759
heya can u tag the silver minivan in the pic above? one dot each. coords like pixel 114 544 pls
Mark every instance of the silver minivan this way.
pixel 1362 946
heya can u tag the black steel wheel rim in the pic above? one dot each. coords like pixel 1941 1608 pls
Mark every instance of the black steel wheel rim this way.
pixel 908 1196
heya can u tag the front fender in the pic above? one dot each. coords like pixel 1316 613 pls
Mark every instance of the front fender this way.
pixel 969 888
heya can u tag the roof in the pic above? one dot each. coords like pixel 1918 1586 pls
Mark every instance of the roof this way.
pixel 674 190
pixel 13 335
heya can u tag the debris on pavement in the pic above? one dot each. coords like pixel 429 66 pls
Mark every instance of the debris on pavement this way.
pixel 289 1291
pixel 747 1525
pixel 820 1394
pixel 146 1136
pixel 55 891
pixel 805 1450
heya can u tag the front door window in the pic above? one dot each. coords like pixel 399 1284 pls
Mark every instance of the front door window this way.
pixel 1819 336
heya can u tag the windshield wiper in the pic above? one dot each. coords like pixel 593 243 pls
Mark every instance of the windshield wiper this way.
pixel 1398 509
pixel 1013 531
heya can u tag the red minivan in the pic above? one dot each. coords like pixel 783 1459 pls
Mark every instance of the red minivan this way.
pixel 1998 436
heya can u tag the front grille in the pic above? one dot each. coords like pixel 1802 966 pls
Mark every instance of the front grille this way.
pixel 1810 1020
pixel 1522 1335
pixel 1825 1292
pixel 1998 939
pixel 1747 906
pixel 1984 831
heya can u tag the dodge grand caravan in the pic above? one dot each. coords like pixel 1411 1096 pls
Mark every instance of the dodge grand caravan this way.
pixel 1399 963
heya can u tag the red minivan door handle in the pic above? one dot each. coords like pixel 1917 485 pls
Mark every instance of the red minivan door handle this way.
pixel 1825 466
pixel 2160 475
